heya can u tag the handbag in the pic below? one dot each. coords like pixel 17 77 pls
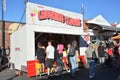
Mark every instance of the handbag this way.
pixel 94 56
pixel 106 55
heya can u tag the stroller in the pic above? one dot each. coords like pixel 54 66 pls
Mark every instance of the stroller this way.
pixel 59 64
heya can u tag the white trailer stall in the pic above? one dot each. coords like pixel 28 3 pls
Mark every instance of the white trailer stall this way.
pixel 42 19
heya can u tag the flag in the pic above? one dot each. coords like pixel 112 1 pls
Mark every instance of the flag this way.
pixel 82 9
pixel 25 1
pixel 4 5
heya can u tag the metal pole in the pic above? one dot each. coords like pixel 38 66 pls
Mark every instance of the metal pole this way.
pixel 25 1
pixel 3 24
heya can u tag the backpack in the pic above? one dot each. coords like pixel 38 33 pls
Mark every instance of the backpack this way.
pixel 72 51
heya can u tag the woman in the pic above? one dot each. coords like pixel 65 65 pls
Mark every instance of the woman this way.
pixel 101 53
pixel 90 60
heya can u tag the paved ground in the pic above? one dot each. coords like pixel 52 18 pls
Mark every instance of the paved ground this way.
pixel 106 73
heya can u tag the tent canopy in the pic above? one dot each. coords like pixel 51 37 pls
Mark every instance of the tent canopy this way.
pixel 101 24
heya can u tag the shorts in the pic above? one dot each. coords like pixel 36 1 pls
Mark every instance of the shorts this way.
pixel 49 63
pixel 42 60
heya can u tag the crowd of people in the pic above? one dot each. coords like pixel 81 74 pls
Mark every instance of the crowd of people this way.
pixel 106 53
pixel 65 58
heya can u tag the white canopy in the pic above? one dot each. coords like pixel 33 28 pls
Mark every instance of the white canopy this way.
pixel 100 21
pixel 118 25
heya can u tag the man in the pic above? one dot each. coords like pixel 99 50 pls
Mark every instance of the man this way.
pixel 41 56
pixel 49 57
pixel 73 58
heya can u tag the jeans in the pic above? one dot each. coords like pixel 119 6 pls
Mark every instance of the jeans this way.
pixel 92 67
pixel 74 64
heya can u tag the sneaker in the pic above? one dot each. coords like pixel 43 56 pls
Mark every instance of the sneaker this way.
pixel 68 71
pixel 91 76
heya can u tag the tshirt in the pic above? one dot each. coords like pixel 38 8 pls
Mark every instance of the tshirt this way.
pixel 89 52
pixel 40 53
pixel 110 51
pixel 72 51
pixel 64 54
pixel 50 49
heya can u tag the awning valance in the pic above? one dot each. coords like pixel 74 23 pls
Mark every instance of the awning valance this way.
pixel 104 27
pixel 116 37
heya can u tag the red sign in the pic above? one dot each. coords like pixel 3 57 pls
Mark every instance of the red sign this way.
pixel 17 49
pixel 51 15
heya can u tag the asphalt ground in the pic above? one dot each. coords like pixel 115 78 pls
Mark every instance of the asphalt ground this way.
pixel 106 73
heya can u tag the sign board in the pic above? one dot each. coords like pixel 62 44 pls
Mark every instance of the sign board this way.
pixel 44 15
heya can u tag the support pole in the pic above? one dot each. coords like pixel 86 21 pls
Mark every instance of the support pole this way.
pixel 3 34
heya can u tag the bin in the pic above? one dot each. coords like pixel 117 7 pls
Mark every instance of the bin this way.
pixel 38 66
pixel 31 68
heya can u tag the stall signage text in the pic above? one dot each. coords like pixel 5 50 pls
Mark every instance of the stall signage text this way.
pixel 51 15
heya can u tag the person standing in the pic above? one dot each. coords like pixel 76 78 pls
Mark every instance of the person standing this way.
pixel 41 56
pixel 7 53
pixel 101 53
pixel 60 48
pixel 50 50
pixel 90 60
pixel 73 58
pixel 67 52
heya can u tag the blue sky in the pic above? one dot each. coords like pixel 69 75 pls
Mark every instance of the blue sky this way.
pixel 109 9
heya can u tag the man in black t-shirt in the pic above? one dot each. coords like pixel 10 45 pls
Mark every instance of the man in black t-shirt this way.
pixel 41 55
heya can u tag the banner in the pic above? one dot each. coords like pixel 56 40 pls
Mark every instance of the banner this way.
pixel 43 15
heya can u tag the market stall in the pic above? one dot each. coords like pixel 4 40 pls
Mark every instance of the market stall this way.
pixel 42 19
